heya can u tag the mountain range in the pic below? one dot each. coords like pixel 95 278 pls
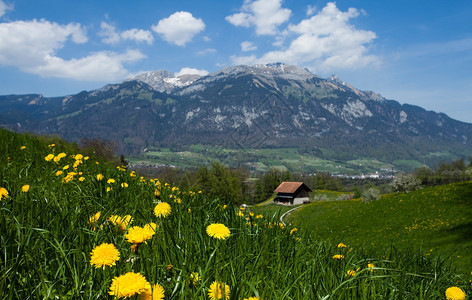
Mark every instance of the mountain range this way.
pixel 272 105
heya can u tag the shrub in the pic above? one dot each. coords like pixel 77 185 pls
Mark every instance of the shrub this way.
pixel 370 194
pixel 405 183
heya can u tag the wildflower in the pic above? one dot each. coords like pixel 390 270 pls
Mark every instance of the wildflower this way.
pixel 162 209
pixel 109 188
pixel 65 167
pixel 293 231
pixel 157 193
pixel 104 255
pixel 341 245
pixel 350 273
pixel 111 180
pixel 194 278
pixel 81 178
pixel 95 217
pixel 3 193
pixel 99 177
pixel 124 185
pixel 22 147
pixel 58 173
pixel 132 174
pixel 138 235
pixel 121 222
pixel 259 217
pixel 69 177
pixel 59 157
pixel 240 213
pixel 455 293
pixel 156 293
pixel 338 256
pixel 25 188
pixel 218 290
pixel 78 157
pixel 51 145
pixel 370 267
pixel 128 285
pixel 218 231
pixel 49 157
pixel 86 158
pixel 253 298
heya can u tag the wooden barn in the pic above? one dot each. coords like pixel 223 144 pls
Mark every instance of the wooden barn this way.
pixel 292 193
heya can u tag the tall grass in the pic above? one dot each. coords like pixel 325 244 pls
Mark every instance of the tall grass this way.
pixel 47 237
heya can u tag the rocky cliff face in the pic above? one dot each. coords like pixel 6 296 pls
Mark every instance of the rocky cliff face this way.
pixel 273 105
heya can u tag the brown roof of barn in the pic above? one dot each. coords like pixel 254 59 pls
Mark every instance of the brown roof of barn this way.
pixel 289 187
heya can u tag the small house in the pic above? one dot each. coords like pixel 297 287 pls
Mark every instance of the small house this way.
pixel 292 193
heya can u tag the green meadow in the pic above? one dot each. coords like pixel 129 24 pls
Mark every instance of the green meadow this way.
pixel 73 227
pixel 435 221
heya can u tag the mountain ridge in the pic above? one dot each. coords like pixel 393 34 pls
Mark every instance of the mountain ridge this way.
pixel 273 105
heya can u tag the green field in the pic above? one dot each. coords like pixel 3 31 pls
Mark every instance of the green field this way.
pixel 435 221
pixel 261 160
pixel 76 228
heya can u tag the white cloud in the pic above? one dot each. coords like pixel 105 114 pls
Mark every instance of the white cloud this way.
pixel 310 10
pixel 324 42
pixel 188 71
pixel 4 7
pixel 110 35
pixel 265 15
pixel 248 46
pixel 31 46
pixel 179 28
pixel 206 51
pixel 139 35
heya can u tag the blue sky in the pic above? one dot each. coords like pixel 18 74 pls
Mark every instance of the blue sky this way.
pixel 417 52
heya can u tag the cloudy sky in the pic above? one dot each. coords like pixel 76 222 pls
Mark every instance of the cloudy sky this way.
pixel 412 51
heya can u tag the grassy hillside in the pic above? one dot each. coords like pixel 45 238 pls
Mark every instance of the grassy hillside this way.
pixel 437 220
pixel 74 228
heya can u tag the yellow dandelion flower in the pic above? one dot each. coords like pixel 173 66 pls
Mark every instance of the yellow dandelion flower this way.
pixel 49 157
pixel 253 298
pixel 51 145
pixel 156 293
pixel 162 209
pixel 240 213
pixel 124 185
pixel 121 222
pixel 218 231
pixel 99 177
pixel 81 178
pixel 350 273
pixel 95 217
pixel 341 245
pixel 138 235
pixel 293 231
pixel 58 173
pixel 59 157
pixel 25 188
pixel 65 167
pixel 370 267
pixel 259 217
pixel 68 178
pixel 108 189
pixel 194 278
pixel 111 180
pixel 22 147
pixel 78 157
pixel 455 293
pixel 3 193
pixel 128 285
pixel 218 290
pixel 86 158
pixel 338 256
pixel 104 255
pixel 157 193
